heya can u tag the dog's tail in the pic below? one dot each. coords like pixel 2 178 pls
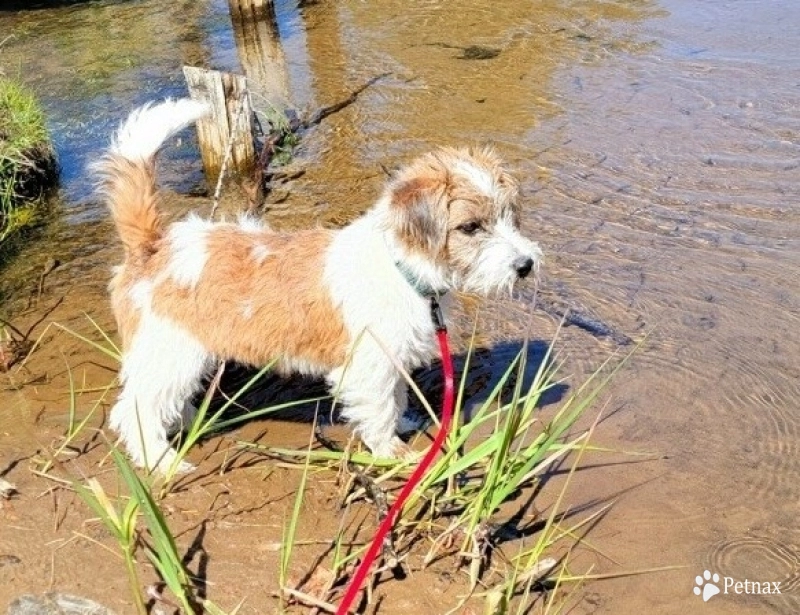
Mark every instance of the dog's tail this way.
pixel 127 171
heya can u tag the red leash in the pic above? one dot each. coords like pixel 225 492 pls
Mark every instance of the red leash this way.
pixel 389 521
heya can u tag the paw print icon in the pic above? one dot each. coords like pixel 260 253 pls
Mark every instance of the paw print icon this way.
pixel 706 585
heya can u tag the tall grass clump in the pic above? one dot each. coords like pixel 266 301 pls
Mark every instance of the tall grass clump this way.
pixel 478 494
pixel 27 158
pixel 122 517
pixel 282 135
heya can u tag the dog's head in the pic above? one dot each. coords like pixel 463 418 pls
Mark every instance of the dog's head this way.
pixel 454 215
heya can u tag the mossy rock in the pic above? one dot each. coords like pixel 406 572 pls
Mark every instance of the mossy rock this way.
pixel 478 52
pixel 28 168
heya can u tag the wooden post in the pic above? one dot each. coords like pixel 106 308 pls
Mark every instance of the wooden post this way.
pixel 244 10
pixel 262 59
pixel 230 124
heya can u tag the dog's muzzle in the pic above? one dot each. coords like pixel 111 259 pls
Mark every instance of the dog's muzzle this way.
pixel 523 266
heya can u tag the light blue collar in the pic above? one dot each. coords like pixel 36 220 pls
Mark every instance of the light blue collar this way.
pixel 424 290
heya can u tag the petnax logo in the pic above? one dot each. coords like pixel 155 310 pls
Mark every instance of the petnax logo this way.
pixel 708 585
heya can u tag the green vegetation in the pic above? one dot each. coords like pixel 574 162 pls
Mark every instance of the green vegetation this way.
pixel 281 137
pixel 27 159
pixel 474 511
pixel 468 505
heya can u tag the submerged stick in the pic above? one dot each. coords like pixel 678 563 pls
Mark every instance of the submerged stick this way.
pixel 377 495
pixel 590 324
pixel 324 112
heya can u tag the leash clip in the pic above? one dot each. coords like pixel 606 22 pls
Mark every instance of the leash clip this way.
pixel 437 316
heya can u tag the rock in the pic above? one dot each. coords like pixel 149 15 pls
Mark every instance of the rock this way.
pixel 477 52
pixel 54 603
pixel 6 488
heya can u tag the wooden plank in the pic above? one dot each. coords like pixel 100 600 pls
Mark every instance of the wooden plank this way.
pixel 231 117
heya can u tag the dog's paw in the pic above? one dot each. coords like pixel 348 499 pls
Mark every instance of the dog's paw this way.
pixel 394 448
pixel 184 467
pixel 410 455
pixel 169 467
pixel 182 422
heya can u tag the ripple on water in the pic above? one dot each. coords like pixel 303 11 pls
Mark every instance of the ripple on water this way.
pixel 670 200
pixel 760 559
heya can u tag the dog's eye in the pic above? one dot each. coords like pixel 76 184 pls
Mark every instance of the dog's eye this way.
pixel 469 228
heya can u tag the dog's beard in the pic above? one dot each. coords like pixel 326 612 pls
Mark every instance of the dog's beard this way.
pixel 489 276
pixel 492 272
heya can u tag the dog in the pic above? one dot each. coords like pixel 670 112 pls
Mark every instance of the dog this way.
pixel 349 304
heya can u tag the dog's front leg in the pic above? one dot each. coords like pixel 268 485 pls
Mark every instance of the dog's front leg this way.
pixel 144 436
pixel 374 399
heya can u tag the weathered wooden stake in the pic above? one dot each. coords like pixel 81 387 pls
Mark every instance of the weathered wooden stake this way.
pixel 242 10
pixel 230 123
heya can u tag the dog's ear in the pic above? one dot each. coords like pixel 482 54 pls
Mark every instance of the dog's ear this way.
pixel 508 195
pixel 419 212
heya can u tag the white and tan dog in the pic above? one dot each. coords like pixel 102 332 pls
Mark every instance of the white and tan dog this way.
pixel 330 303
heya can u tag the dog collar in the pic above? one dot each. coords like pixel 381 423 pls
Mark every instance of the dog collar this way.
pixel 423 290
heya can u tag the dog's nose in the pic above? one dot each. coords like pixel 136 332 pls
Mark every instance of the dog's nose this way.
pixel 523 266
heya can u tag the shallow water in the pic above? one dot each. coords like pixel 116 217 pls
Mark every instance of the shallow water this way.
pixel 658 146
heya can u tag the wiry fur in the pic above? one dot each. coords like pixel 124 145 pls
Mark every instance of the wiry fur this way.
pixel 333 303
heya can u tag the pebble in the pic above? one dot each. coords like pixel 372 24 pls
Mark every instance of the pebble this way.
pixel 7 489
pixel 54 603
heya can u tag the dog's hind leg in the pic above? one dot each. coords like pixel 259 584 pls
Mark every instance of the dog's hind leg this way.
pixel 162 369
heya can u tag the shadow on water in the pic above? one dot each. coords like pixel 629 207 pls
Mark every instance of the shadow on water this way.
pixel 486 369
